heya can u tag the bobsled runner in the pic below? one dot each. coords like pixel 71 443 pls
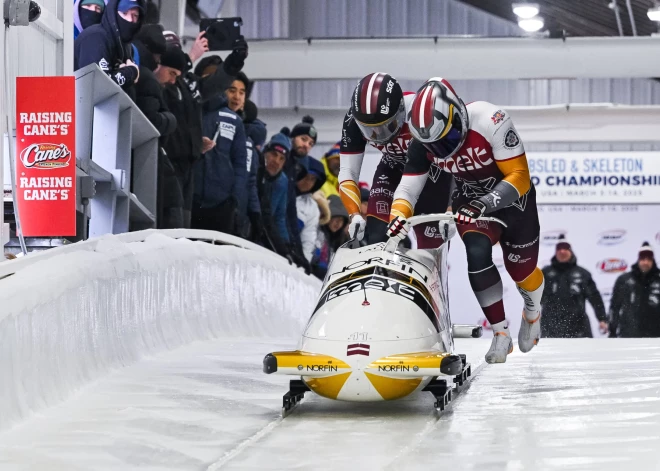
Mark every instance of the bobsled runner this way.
pixel 381 328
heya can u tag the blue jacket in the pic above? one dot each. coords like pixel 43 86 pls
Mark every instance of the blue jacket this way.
pixel 101 44
pixel 253 205
pixel 273 193
pixel 222 172
pixel 294 168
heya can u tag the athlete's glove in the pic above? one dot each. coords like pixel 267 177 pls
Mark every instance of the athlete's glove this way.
pixel 470 212
pixel 398 228
pixel 357 227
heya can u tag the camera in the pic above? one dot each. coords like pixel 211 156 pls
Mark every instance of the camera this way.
pixel 21 12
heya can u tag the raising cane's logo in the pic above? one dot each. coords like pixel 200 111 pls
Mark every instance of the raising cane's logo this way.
pixel 46 156
pixel 612 265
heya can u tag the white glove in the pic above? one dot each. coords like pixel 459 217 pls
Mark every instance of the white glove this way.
pixel 449 227
pixel 357 227
pixel 398 228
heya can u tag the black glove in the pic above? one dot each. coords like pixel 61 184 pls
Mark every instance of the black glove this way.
pixel 470 212
pixel 300 260
pixel 257 225
pixel 236 59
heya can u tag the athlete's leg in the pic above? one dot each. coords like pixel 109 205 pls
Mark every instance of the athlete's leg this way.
pixel 386 179
pixel 520 246
pixel 433 199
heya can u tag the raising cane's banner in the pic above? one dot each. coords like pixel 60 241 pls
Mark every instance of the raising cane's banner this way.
pixel 45 155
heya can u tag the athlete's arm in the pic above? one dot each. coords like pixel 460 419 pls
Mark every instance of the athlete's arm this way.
pixel 412 183
pixel 351 155
pixel 511 160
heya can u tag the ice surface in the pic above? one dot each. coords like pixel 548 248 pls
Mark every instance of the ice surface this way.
pixel 568 405
pixel 70 318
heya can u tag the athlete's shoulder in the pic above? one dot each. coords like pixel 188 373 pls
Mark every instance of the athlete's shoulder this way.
pixel 483 115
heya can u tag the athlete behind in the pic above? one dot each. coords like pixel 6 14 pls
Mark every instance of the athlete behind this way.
pixel 480 147
pixel 378 116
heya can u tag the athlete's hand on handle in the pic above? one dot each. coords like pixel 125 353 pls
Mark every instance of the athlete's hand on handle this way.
pixel 357 227
pixel 398 228
pixel 470 212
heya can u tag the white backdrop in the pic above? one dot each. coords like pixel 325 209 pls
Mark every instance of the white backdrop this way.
pixel 605 237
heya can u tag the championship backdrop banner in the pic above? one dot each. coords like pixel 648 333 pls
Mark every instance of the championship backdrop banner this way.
pixel 595 177
pixel 45 155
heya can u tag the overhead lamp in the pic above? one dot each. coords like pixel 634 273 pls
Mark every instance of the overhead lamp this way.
pixel 525 10
pixel 531 25
pixel 654 13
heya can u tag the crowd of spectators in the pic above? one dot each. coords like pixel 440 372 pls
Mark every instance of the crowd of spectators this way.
pixel 216 170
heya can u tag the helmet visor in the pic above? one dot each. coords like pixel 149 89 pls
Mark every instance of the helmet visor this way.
pixel 449 144
pixel 382 132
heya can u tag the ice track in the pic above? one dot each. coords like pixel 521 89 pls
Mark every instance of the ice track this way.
pixel 570 404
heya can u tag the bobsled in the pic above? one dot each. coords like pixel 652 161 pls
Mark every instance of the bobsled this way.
pixel 381 328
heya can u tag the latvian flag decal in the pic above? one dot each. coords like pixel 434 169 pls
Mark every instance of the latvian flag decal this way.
pixel 358 349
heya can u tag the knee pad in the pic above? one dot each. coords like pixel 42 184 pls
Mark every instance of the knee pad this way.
pixel 479 251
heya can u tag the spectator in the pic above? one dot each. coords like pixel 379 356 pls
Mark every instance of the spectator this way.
pixel 331 163
pixel 324 208
pixel 108 43
pixel 567 286
pixel 303 138
pixel 635 304
pixel 331 237
pixel 86 13
pixel 184 99
pixel 256 135
pixel 237 93
pixel 273 190
pixel 307 208
pixel 220 193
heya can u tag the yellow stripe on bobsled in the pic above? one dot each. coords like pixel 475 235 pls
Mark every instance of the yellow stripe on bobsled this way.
pixel 410 365
pixel 328 386
pixel 392 388
pixel 304 364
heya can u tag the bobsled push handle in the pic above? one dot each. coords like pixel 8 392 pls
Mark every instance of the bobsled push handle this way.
pixel 448 216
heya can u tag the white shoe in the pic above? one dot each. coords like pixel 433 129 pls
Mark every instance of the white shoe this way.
pixel 529 333
pixel 502 344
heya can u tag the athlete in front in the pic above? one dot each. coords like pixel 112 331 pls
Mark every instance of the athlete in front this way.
pixel 480 147
pixel 378 116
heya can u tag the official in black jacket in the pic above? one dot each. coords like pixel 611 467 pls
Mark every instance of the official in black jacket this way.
pixel 108 43
pixel 635 305
pixel 567 287
pixel 184 98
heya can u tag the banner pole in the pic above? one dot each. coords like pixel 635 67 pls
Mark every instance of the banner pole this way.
pixel 12 142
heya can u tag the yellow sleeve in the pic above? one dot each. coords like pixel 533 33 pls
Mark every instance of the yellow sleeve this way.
pixel 401 208
pixel 516 172
pixel 349 193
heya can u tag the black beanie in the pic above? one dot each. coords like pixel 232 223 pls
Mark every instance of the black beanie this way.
pixel 206 62
pixel 306 127
pixel 174 58
pixel 152 37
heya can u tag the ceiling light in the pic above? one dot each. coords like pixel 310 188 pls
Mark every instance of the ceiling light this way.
pixel 654 14
pixel 531 24
pixel 525 10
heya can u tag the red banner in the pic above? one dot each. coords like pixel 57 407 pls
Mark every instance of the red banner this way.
pixel 45 155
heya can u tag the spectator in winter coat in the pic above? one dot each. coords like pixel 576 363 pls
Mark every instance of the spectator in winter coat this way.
pixel 184 99
pixel 220 194
pixel 331 237
pixel 303 139
pixel 256 136
pixel 307 208
pixel 567 286
pixel 237 93
pixel 331 164
pixel 635 304
pixel 273 189
pixel 86 13
pixel 108 43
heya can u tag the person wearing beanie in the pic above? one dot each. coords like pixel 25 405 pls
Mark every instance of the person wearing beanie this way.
pixel 635 305
pixel 331 237
pixel 87 13
pixel 272 186
pixel 303 137
pixel 331 164
pixel 567 287
pixel 108 44
pixel 308 210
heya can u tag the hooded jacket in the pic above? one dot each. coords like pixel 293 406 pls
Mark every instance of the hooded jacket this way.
pixel 149 95
pixel 77 23
pixel 255 129
pixel 329 242
pixel 222 172
pixel 331 186
pixel 308 210
pixel 102 44
pixel 635 304
pixel 567 287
